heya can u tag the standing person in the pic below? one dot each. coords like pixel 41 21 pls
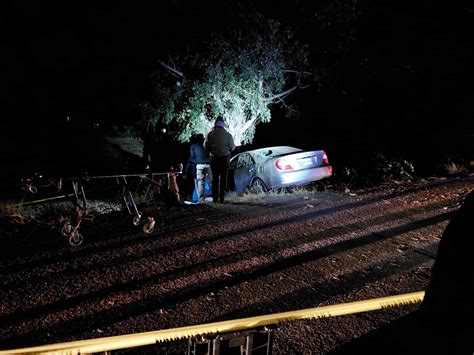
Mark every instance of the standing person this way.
pixel 219 144
pixel 200 156
pixel 186 183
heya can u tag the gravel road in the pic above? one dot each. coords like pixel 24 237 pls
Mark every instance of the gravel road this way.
pixel 205 263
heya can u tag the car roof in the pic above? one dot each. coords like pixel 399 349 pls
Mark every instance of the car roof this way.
pixel 268 152
pixel 276 150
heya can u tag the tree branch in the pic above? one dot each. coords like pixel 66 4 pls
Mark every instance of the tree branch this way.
pixel 172 70
pixel 281 95
pixel 296 71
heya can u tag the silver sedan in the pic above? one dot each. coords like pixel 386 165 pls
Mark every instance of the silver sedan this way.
pixel 275 167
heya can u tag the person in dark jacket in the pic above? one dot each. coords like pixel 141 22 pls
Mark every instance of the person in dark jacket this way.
pixel 201 157
pixel 220 144
pixel 186 182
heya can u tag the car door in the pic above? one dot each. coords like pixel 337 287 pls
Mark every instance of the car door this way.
pixel 244 172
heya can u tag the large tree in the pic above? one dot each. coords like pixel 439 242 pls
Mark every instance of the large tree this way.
pixel 237 74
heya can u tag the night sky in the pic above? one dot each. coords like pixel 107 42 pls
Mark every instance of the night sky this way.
pixel 402 83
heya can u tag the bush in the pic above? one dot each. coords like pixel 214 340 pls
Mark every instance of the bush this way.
pixel 374 171
pixel 346 178
pixel 451 167
pixel 124 131
pixel 385 169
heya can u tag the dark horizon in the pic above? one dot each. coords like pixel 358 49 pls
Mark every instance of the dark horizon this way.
pixel 402 85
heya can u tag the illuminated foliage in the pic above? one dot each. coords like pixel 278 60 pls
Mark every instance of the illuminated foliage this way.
pixel 238 75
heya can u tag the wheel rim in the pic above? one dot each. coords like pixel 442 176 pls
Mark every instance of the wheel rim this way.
pixel 66 230
pixel 76 239
pixel 257 183
pixel 148 229
pixel 136 220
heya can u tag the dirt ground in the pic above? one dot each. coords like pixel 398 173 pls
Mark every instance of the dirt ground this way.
pixel 203 263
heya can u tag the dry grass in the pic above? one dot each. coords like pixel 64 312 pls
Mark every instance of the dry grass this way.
pixel 13 211
pixel 255 195
pixel 453 168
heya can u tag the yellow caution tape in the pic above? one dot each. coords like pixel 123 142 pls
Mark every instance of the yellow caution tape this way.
pixel 149 338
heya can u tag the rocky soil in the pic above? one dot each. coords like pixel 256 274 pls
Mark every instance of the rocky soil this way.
pixel 203 263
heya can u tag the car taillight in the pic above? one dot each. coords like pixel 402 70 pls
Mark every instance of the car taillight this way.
pixel 283 164
pixel 325 159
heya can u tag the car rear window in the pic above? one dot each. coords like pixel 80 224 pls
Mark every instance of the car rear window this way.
pixel 272 151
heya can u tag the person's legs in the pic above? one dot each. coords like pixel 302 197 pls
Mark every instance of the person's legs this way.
pixel 215 179
pixel 173 186
pixel 223 167
pixel 219 167
pixel 207 178
pixel 201 181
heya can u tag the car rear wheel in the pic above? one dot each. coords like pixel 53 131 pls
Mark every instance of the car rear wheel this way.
pixel 258 184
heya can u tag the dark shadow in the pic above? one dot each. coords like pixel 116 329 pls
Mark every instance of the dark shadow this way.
pixel 308 298
pixel 55 249
pixel 445 322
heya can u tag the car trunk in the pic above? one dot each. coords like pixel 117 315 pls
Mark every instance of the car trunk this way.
pixel 304 160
